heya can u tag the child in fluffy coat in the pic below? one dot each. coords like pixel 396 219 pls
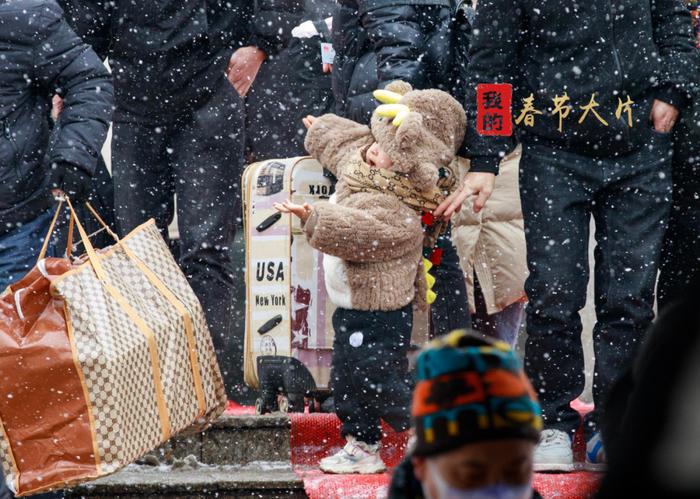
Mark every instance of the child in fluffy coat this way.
pixel 372 238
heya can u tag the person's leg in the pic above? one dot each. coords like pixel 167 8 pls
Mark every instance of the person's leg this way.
pixel 556 190
pixel 20 248
pixel 480 317
pixel 631 216
pixel 353 404
pixel 355 393
pixel 503 325
pixel 450 310
pixel 507 322
pixel 680 256
pixel 208 164
pixel 142 176
pixel 395 387
pixel 370 371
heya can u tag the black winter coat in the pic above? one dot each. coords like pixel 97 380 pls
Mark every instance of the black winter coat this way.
pixel 166 55
pixel 272 23
pixel 290 83
pixel 613 48
pixel 41 56
pixel 379 41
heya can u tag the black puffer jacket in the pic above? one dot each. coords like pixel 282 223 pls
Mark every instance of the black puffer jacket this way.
pixel 166 55
pixel 379 41
pixel 616 48
pixel 41 56
pixel 290 83
pixel 272 23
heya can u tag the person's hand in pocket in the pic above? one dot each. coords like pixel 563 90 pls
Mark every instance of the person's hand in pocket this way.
pixel 243 68
pixel 663 116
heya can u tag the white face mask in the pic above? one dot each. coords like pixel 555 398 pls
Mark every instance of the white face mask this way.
pixel 500 491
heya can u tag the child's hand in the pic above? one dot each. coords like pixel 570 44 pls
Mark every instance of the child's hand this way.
pixel 308 121
pixel 301 211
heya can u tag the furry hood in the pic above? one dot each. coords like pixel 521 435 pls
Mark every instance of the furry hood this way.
pixel 427 136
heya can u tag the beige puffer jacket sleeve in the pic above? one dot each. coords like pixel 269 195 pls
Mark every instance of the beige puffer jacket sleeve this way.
pixel 492 243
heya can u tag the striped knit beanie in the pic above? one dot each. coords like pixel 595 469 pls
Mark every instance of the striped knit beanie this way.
pixel 471 389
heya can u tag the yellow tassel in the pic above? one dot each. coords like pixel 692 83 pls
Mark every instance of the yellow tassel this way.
pixel 387 96
pixel 430 296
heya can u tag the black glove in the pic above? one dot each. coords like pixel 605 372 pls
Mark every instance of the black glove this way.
pixel 72 180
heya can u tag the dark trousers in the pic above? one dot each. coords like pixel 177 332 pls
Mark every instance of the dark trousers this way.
pixel 369 375
pixel 450 310
pixel 198 158
pixel 629 198
pixel 503 325
pixel 20 248
pixel 680 258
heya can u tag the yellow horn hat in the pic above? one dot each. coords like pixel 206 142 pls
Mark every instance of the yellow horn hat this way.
pixel 387 96
pixel 396 111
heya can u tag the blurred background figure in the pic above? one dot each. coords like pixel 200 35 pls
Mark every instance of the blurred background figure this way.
pixel 652 429
pixel 379 41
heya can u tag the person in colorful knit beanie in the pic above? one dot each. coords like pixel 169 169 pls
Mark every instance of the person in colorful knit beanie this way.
pixel 477 422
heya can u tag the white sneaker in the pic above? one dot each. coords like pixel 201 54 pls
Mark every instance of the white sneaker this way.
pixel 554 452
pixel 595 455
pixel 355 457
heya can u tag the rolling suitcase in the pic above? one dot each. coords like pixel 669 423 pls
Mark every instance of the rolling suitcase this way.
pixel 288 333
pixel 289 337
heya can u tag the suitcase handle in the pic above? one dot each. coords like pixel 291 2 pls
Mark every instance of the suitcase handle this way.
pixel 271 324
pixel 269 222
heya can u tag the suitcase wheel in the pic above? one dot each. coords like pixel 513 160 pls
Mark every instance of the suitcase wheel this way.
pixel 314 405
pixel 292 402
pixel 261 407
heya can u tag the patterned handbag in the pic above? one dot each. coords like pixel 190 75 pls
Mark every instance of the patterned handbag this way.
pixel 102 360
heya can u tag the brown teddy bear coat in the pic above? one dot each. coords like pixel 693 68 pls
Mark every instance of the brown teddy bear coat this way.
pixel 372 242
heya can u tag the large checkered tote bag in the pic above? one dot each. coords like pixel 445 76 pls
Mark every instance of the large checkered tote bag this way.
pixel 102 359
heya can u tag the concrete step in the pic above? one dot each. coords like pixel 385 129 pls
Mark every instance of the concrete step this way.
pixel 192 481
pixel 232 440
pixel 239 456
